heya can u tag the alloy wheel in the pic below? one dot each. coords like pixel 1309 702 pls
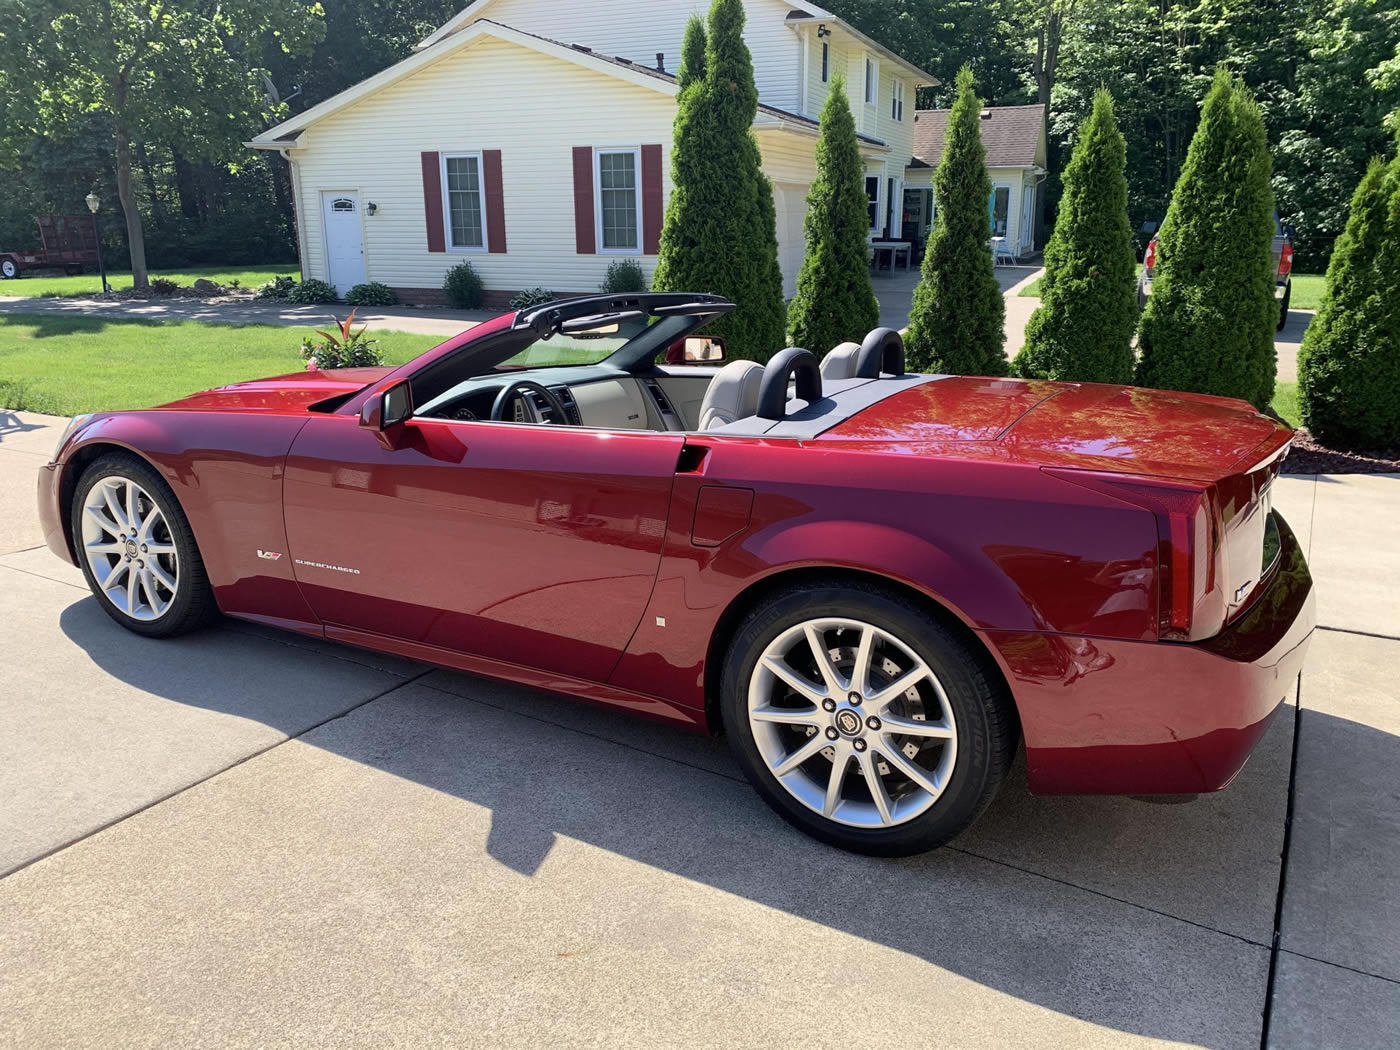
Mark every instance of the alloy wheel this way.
pixel 830 694
pixel 129 548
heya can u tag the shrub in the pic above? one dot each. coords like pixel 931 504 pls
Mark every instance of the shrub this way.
pixel 349 350
pixel 720 234
pixel 1209 323
pixel 955 324
pixel 1349 364
pixel 279 288
pixel 834 299
pixel 1083 328
pixel 624 275
pixel 164 286
pixel 312 291
pixel 371 294
pixel 530 297
pixel 463 287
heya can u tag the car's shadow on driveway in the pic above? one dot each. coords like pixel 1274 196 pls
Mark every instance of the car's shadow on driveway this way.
pixel 1146 919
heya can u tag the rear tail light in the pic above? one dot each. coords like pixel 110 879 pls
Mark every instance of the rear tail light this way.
pixel 1285 260
pixel 1187 534
pixel 1149 257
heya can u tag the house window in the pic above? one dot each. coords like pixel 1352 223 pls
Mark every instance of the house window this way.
pixel 872 81
pixel 465 213
pixel 897 100
pixel 826 61
pixel 619 205
pixel 872 197
pixel 999 206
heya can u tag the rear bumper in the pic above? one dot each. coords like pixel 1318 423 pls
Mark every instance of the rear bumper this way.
pixel 51 511
pixel 1145 287
pixel 1103 716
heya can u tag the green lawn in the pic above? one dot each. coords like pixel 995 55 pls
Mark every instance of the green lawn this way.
pixel 66 365
pixel 1307 290
pixel 1286 403
pixel 91 283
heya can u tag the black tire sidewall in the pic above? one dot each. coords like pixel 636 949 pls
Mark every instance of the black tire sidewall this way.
pixel 980 762
pixel 1283 306
pixel 193 601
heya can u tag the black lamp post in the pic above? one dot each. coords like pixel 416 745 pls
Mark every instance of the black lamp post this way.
pixel 93 203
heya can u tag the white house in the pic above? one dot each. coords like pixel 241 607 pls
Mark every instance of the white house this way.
pixel 533 137
pixel 1014 138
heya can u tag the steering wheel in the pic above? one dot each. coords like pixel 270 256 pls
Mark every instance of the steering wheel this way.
pixel 532 410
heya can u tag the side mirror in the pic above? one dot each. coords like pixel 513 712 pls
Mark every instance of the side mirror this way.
pixel 387 409
pixel 703 350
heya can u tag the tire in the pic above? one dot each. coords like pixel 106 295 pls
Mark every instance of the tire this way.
pixel 1283 306
pixel 1141 296
pixel 9 269
pixel 162 551
pixel 962 751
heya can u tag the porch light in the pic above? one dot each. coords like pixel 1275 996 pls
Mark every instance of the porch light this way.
pixel 92 202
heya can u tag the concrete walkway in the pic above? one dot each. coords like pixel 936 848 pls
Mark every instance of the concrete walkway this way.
pixel 245 838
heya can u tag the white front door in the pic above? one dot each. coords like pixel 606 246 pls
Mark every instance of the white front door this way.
pixel 345 248
pixel 1027 219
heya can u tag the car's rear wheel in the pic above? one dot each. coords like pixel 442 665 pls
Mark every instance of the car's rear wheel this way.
pixel 1283 306
pixel 136 549
pixel 863 720
pixel 9 269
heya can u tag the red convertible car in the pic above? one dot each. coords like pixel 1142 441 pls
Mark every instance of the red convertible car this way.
pixel 875 583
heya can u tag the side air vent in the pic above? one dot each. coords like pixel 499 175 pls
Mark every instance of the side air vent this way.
pixel 660 395
pixel 570 404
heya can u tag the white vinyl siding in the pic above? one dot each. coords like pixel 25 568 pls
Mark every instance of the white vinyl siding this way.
pixel 463 202
pixel 617 203
pixel 637 32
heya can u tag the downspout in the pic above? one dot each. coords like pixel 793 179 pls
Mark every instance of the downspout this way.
pixel 285 154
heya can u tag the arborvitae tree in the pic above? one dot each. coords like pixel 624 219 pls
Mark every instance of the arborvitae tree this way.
pixel 1083 329
pixel 1349 364
pixel 834 299
pixel 720 233
pixel 1209 323
pixel 958 313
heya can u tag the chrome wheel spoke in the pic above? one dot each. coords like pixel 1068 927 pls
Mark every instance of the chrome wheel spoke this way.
pixel 823 659
pixel 839 765
pixel 114 508
pixel 96 517
pixel 915 772
pixel 792 716
pixel 154 549
pixel 104 546
pixel 878 793
pixel 157 574
pixel 132 582
pixel 795 681
pixel 900 686
pixel 860 670
pixel 133 507
pixel 114 574
pixel 802 754
pixel 913 727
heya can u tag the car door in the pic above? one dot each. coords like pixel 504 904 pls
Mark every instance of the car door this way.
pixel 536 545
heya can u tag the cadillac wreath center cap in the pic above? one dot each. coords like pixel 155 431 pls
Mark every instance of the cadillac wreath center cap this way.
pixel 848 722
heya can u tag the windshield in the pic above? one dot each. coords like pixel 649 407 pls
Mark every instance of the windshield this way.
pixel 578 348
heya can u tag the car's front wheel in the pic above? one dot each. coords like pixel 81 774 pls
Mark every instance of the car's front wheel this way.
pixel 135 546
pixel 863 720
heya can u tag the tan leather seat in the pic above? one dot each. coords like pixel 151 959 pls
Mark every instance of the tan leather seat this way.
pixel 732 394
pixel 841 362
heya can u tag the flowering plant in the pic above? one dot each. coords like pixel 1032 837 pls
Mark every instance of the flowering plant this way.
pixel 349 350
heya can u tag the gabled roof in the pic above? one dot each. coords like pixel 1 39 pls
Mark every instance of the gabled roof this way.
pixel 280 136
pixel 800 10
pixel 1013 136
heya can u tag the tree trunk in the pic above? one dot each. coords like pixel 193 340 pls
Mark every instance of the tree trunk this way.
pixel 184 185
pixel 157 212
pixel 135 237
pixel 1047 61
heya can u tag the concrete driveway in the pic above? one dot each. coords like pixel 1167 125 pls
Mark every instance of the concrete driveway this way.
pixel 243 838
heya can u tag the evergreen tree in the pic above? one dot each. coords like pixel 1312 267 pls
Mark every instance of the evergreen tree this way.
pixel 958 313
pixel 1083 329
pixel 720 233
pixel 1349 364
pixel 834 299
pixel 1209 323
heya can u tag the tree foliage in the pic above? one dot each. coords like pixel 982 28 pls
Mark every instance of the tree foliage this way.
pixel 720 232
pixel 958 313
pixel 177 70
pixel 1349 364
pixel 1209 323
pixel 1083 328
pixel 834 301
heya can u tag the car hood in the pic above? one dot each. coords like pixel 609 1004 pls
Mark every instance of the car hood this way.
pixel 1088 426
pixel 294 392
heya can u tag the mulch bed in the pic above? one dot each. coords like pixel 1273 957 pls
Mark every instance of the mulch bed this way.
pixel 1308 457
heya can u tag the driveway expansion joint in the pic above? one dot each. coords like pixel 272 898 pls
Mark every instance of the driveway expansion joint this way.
pixel 1274 949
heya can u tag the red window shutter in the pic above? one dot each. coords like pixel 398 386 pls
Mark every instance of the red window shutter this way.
pixel 495 201
pixel 651 199
pixel 432 201
pixel 585 240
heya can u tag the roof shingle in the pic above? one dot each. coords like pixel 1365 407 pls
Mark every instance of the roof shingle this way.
pixel 1011 135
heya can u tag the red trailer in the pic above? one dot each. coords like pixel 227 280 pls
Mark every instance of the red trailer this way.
pixel 70 243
